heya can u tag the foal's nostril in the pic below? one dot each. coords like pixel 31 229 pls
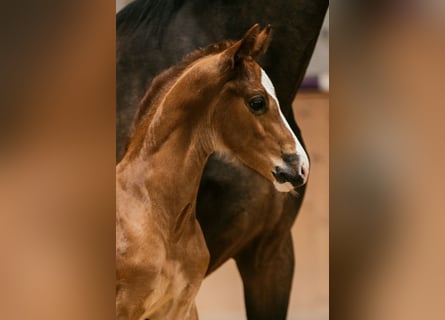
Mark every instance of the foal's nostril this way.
pixel 280 175
pixel 296 176
pixel 295 171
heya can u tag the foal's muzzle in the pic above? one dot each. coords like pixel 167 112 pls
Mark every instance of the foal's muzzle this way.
pixel 293 171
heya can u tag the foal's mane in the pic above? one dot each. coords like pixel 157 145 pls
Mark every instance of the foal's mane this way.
pixel 161 84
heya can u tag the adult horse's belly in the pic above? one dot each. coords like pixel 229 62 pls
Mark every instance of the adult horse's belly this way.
pixel 236 205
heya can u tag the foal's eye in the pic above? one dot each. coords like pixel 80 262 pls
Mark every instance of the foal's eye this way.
pixel 258 105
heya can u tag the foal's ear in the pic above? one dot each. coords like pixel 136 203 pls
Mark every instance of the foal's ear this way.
pixel 253 44
pixel 262 42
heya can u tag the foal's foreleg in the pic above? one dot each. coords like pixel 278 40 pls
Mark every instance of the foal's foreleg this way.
pixel 267 272
pixel 134 283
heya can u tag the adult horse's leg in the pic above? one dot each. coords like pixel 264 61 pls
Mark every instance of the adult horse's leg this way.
pixel 267 268
pixel 242 216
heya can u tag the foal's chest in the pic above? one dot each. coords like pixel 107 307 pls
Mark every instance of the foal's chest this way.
pixel 177 284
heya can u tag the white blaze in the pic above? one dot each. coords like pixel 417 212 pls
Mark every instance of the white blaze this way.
pixel 270 89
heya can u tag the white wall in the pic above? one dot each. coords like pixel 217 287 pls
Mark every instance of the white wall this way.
pixel 121 3
pixel 320 59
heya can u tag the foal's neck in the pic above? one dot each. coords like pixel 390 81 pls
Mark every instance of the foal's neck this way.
pixel 173 170
pixel 167 166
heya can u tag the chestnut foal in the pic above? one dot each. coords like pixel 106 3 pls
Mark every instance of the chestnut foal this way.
pixel 216 100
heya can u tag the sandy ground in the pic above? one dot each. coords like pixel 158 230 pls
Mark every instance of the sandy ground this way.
pixel 221 297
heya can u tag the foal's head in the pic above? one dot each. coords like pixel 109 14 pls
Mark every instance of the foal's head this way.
pixel 247 119
pixel 224 94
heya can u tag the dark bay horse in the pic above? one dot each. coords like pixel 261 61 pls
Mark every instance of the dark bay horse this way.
pixel 217 99
pixel 241 214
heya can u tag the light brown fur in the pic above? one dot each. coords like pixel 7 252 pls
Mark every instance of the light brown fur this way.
pixel 196 109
